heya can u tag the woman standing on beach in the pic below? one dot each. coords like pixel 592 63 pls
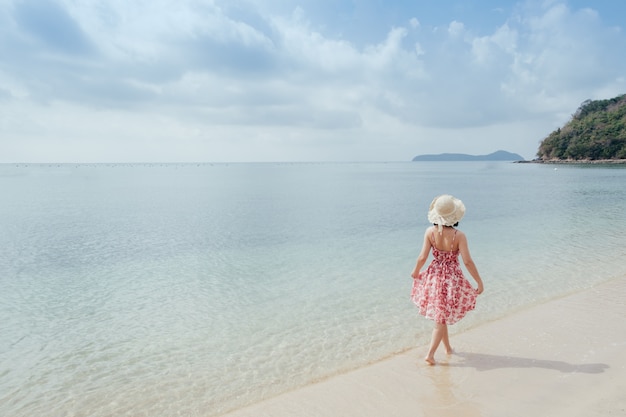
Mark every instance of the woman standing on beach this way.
pixel 441 292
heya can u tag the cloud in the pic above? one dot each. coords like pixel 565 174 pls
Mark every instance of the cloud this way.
pixel 456 28
pixel 204 76
pixel 44 23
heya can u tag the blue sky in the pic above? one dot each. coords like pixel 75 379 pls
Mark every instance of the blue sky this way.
pixel 310 80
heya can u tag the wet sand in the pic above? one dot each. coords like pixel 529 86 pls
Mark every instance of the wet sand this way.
pixel 566 357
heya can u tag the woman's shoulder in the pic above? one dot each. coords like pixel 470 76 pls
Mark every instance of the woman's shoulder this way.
pixel 460 235
pixel 429 234
pixel 429 230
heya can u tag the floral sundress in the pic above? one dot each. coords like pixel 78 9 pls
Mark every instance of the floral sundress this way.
pixel 441 292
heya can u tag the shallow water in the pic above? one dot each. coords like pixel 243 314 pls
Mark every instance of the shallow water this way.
pixel 194 289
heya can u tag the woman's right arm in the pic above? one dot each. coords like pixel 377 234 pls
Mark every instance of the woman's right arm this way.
pixel 423 256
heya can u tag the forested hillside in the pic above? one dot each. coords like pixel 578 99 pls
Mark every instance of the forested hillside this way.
pixel 596 131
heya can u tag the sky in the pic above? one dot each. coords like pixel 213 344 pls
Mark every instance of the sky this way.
pixel 303 80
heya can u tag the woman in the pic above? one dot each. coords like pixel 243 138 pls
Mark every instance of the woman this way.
pixel 441 292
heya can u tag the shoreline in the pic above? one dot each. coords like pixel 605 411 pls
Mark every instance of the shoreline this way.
pixel 564 357
pixel 575 161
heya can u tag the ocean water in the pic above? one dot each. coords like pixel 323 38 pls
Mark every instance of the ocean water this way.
pixel 194 289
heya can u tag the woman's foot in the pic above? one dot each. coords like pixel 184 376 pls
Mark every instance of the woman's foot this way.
pixel 430 361
pixel 449 351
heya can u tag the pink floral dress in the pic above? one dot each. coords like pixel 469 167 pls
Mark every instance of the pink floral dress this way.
pixel 441 292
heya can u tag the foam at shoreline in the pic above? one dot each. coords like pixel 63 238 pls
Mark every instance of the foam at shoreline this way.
pixel 562 357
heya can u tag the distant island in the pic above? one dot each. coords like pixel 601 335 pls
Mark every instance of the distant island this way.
pixel 495 156
pixel 596 133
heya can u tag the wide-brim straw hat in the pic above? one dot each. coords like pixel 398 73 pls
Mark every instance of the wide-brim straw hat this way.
pixel 446 210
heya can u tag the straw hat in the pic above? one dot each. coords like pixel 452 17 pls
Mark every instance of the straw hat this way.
pixel 445 210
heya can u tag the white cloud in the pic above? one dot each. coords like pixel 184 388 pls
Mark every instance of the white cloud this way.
pixel 307 47
pixel 456 29
pixel 237 80
pixel 487 50
pixel 386 53
pixel 418 49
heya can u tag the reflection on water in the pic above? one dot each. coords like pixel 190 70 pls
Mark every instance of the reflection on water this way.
pixel 447 398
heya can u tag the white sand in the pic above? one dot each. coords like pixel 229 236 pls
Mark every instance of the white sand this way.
pixel 566 357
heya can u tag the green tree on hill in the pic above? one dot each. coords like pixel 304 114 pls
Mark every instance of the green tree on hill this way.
pixel 596 131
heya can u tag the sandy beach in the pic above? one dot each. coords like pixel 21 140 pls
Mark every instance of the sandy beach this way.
pixel 566 357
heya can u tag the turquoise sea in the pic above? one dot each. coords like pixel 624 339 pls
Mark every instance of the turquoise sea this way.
pixel 194 289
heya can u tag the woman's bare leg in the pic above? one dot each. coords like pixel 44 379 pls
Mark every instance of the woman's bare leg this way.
pixel 438 333
pixel 446 340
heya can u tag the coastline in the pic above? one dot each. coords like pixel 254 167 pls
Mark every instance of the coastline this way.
pixel 565 357
pixel 575 161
